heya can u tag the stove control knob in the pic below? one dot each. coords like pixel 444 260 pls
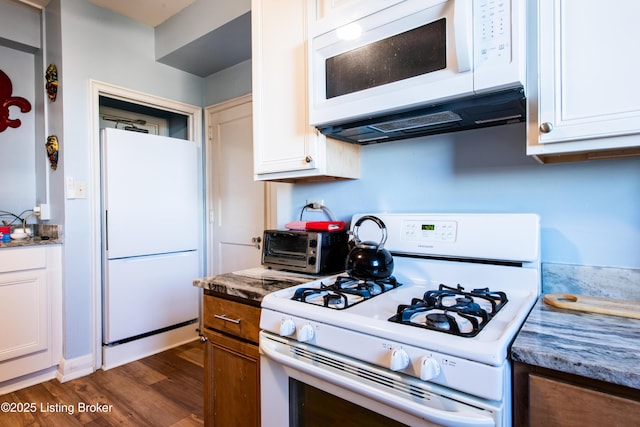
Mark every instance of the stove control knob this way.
pixel 399 359
pixel 429 368
pixel 287 327
pixel 306 333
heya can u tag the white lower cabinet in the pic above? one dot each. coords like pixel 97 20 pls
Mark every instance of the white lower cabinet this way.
pixel 30 310
pixel 286 147
pixel 584 96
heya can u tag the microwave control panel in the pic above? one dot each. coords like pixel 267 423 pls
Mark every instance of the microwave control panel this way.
pixel 429 231
pixel 494 32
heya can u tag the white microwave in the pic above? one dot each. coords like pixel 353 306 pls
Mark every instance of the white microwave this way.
pixel 415 67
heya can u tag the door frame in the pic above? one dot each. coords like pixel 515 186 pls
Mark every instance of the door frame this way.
pixel 270 207
pixel 194 122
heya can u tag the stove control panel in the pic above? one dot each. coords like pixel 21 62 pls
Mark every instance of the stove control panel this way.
pixel 438 368
pixel 429 231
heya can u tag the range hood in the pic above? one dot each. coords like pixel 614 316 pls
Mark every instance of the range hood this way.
pixel 478 111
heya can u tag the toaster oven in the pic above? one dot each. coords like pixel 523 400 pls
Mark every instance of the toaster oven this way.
pixel 313 252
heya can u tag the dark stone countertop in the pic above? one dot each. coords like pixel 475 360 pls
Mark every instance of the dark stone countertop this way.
pixel 590 345
pixel 50 231
pixel 252 284
pixel 31 241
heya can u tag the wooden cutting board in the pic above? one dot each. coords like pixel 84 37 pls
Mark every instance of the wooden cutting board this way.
pixel 613 307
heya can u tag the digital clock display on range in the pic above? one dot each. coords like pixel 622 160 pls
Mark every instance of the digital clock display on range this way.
pixel 428 227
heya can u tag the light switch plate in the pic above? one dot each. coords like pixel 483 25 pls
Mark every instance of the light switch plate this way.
pixel 70 187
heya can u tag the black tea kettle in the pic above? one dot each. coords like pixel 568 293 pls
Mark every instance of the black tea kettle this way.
pixel 369 260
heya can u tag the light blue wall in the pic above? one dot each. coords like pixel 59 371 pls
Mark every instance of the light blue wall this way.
pixel 100 45
pixel 17 145
pixel 228 84
pixel 590 212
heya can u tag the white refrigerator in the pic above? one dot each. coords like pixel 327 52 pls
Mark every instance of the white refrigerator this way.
pixel 150 226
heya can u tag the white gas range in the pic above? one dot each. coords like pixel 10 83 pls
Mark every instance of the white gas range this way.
pixel 426 346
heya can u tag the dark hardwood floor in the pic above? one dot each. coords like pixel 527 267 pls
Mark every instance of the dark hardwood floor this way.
pixel 165 389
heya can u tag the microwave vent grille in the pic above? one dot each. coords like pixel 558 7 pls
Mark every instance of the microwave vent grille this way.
pixel 418 122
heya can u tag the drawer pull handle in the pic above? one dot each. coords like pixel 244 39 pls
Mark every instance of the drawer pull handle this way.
pixel 226 319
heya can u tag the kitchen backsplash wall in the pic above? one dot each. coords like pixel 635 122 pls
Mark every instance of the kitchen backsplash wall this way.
pixel 590 211
pixel 608 282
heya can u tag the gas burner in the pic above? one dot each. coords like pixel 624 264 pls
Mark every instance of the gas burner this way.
pixel 438 321
pixel 452 310
pixel 344 292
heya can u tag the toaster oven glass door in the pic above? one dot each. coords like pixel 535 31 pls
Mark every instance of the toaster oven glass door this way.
pixel 289 246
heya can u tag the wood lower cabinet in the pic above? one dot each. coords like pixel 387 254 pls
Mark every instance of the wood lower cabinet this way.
pixel 232 362
pixel 547 398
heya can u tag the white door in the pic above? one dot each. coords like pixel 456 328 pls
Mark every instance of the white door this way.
pixel 236 203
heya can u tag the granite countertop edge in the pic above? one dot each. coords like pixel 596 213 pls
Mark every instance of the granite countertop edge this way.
pixel 596 346
pixel 252 284
pixel 31 241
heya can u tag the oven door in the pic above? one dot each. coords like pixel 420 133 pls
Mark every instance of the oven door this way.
pixel 302 385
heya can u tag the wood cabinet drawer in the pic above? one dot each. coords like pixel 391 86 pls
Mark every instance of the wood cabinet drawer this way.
pixel 231 317
pixel 562 404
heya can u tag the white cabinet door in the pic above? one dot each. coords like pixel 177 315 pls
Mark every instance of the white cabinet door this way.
pixel 30 311
pixel 286 147
pixel 282 139
pixel 24 313
pixel 588 96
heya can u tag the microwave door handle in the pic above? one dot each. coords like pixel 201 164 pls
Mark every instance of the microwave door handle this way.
pixel 462 28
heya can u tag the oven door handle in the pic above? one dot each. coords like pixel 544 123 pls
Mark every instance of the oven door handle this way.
pixel 463 416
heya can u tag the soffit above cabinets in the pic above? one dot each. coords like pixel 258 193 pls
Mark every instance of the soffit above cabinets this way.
pixel 149 12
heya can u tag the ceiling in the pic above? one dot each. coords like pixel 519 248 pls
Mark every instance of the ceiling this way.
pixel 221 48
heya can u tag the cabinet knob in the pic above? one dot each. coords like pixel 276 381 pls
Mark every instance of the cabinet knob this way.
pixel 308 159
pixel 546 127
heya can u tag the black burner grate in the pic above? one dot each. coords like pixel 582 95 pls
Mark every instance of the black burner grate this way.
pixel 345 291
pixel 452 310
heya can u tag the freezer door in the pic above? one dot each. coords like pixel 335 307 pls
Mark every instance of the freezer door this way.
pixel 149 194
pixel 147 293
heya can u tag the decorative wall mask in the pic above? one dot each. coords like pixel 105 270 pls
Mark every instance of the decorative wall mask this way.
pixel 6 101
pixel 52 81
pixel 52 150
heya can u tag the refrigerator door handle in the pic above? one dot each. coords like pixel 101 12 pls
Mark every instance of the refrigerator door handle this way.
pixel 106 230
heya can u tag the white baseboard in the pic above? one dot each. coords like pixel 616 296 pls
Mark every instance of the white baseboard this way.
pixel 27 380
pixel 128 352
pixel 70 369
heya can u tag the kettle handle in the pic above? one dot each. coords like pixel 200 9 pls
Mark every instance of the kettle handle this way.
pixel 380 224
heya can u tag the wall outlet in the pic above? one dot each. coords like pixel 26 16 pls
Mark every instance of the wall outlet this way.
pixel 44 212
pixel 81 189
pixel 317 202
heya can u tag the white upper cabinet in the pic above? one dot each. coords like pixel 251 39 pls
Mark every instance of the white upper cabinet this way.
pixel 584 88
pixel 286 147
